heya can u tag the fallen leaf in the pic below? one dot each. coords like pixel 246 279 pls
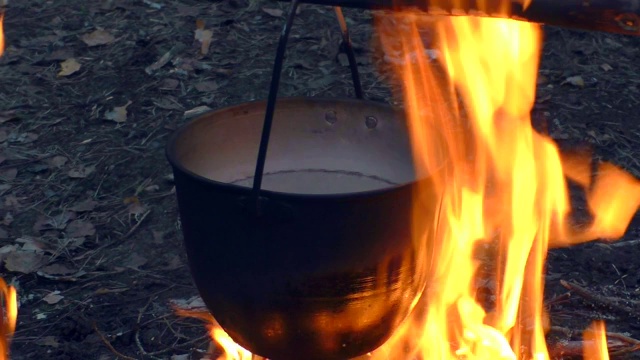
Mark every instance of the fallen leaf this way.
pixel 152 188
pixel 186 10
pixel 31 244
pixel 7 219
pixel 98 37
pixel 574 80
pixel 169 84
pixel 168 103
pixel 86 205
pixel 53 297
pixel 69 67
pixel 57 161
pixel 23 138
pixel 7 115
pixel 58 222
pixel 273 12
pixel 79 228
pixel 60 55
pixel 118 114
pixel 606 67
pixel 174 263
pixel 56 269
pixel 81 172
pixel 48 341
pixel 203 36
pixel 196 111
pixel 24 262
pixel 134 261
pixel 8 174
pixel 206 86
pixel 193 303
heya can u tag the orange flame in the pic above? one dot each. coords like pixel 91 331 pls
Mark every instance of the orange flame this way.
pixel 231 350
pixel 8 316
pixel 1 33
pixel 502 185
pixel 595 341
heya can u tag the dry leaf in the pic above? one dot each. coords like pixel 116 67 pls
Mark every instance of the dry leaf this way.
pixel 48 341
pixel 79 228
pixel 7 115
pixel 56 269
pixel 203 36
pixel 134 261
pixel 83 206
pixel 69 67
pixel 53 297
pixel 169 84
pixel 606 67
pixel 206 86
pixel 118 114
pixel 196 111
pixel 273 12
pixel 81 172
pixel 24 262
pixel 8 174
pixel 31 244
pixel 23 138
pixel 98 37
pixel 575 81
pixel 58 222
pixel 57 161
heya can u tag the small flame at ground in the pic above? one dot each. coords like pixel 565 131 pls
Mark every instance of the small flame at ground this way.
pixel 1 33
pixel 230 350
pixel 595 342
pixel 8 316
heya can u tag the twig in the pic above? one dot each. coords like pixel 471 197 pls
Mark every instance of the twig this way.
pixel 26 162
pixel 159 352
pixel 559 299
pixel 135 227
pixel 106 342
pixel 613 303
pixel 617 344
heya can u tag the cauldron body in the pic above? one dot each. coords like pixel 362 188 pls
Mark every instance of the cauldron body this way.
pixel 327 267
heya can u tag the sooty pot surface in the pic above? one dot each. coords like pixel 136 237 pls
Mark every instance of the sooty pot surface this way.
pixel 327 268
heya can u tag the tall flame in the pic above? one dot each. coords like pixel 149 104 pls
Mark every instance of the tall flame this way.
pixel 502 184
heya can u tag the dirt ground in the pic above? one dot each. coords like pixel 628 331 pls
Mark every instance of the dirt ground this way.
pixel 89 230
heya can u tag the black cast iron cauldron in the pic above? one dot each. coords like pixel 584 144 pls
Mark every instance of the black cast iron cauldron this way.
pixel 327 268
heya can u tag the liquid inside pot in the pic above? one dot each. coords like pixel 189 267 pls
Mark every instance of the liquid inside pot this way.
pixel 313 181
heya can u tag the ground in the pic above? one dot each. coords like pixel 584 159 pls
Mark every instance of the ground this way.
pixel 90 232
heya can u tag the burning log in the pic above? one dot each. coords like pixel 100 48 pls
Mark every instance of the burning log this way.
pixel 614 16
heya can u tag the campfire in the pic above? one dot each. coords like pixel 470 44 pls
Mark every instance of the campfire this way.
pixel 503 187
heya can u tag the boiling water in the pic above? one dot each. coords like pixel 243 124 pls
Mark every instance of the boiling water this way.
pixel 315 181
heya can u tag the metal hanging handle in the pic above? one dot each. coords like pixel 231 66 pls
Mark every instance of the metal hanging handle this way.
pixel 275 86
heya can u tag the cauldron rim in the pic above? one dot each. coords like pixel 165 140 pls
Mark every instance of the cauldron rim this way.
pixel 170 153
